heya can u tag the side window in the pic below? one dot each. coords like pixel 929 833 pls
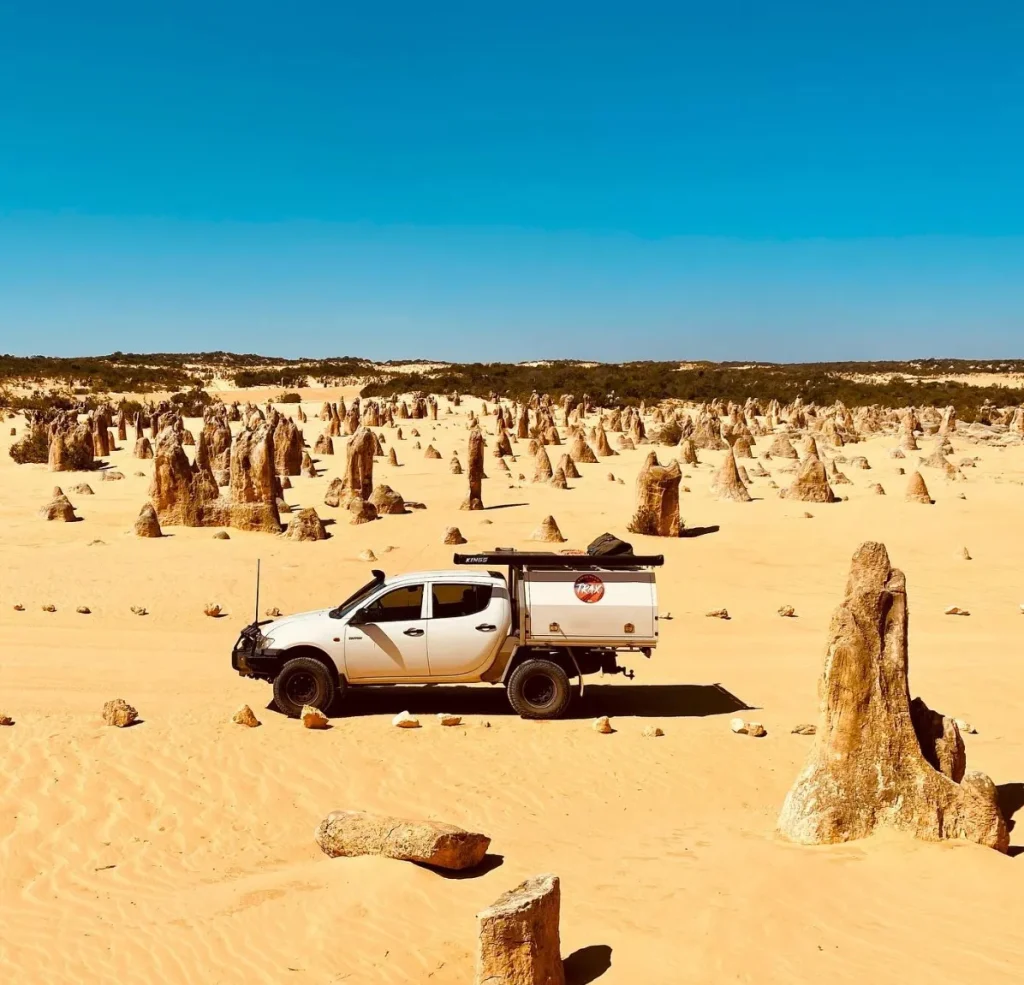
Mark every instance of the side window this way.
pixel 397 605
pixel 459 600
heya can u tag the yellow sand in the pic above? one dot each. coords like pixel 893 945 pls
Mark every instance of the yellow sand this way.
pixel 181 850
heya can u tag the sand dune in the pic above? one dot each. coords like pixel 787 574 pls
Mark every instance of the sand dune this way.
pixel 181 849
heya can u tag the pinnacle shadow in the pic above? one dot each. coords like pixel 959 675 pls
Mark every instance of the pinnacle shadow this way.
pixel 587 964
pixel 1010 797
pixel 699 531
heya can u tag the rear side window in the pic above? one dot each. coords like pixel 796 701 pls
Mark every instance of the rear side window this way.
pixel 397 605
pixel 460 600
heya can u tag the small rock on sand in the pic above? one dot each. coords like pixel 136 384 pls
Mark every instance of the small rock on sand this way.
pixel 274 612
pixel 212 610
pixel 965 727
pixel 6 720
pixel 313 717
pixel 603 725
pixel 367 555
pixel 449 720
pixel 140 610
pixel 405 720
pixel 83 610
pixel 49 607
pixel 244 716
pixel 652 732
pixel 119 713
pixel 787 611
pixel 805 730
pixel 454 536
pixel 717 614
pixel 755 729
pixel 955 610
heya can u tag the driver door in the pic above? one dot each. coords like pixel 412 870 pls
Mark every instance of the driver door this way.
pixel 389 638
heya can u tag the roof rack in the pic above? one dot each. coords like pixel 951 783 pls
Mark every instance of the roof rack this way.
pixel 542 559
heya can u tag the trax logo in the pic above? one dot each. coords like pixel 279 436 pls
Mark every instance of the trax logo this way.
pixel 589 588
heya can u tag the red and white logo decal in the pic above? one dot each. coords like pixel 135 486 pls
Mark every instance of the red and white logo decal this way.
pixel 589 588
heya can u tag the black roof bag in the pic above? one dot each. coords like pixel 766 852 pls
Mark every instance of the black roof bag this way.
pixel 608 544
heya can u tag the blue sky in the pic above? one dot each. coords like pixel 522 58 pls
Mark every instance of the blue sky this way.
pixel 732 180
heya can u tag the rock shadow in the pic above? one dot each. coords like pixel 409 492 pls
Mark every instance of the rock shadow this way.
pixel 587 964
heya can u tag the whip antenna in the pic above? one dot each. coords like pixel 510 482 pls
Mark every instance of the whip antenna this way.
pixel 256 617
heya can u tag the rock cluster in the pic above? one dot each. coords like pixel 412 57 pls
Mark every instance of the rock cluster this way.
pixel 186 494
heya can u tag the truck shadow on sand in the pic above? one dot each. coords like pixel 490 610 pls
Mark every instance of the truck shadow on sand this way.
pixel 637 700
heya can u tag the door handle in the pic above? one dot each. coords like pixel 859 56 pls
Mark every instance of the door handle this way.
pixel 486 627
pixel 414 632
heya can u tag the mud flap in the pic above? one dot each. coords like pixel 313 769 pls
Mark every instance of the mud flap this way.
pixel 579 673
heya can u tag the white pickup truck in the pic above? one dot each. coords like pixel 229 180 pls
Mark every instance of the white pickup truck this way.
pixel 552 618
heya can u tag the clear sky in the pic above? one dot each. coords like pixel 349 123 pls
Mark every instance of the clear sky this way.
pixel 490 180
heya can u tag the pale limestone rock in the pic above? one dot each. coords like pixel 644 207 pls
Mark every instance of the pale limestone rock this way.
pixel 119 713
pixel 313 717
pixel 244 716
pixel 879 761
pixel 445 846
pixel 519 940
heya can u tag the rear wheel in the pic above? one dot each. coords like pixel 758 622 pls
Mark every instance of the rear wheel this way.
pixel 539 689
pixel 304 681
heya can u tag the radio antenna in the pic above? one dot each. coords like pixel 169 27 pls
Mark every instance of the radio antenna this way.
pixel 256 619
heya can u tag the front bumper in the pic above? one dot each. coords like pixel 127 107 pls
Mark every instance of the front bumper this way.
pixel 251 658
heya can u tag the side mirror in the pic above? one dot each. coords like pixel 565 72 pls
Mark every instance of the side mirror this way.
pixel 357 618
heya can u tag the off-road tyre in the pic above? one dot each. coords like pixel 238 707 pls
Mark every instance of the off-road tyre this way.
pixel 305 681
pixel 539 689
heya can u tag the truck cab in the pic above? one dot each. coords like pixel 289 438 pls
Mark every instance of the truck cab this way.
pixel 560 617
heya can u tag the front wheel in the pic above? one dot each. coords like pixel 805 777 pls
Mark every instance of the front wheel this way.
pixel 539 689
pixel 304 681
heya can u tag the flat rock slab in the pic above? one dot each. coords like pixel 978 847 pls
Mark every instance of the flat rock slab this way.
pixel 428 842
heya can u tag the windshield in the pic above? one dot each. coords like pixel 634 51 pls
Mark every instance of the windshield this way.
pixel 353 600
